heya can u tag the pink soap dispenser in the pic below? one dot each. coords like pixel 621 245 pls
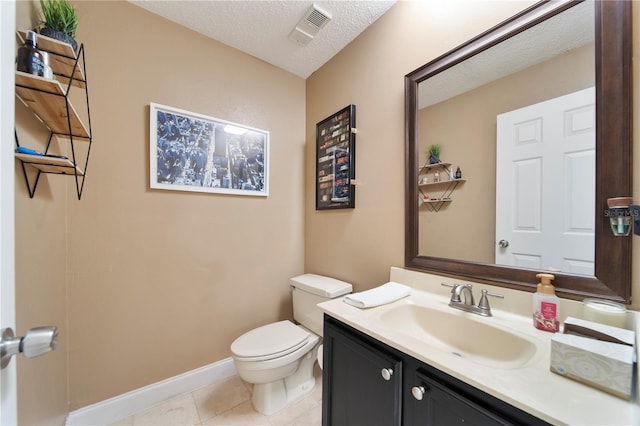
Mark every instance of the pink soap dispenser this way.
pixel 546 305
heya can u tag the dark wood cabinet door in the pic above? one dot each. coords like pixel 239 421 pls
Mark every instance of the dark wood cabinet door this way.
pixel 436 405
pixel 362 385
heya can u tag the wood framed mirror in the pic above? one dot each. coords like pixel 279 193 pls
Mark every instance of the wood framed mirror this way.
pixel 613 155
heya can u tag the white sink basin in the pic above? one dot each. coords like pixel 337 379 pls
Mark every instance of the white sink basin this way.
pixel 461 335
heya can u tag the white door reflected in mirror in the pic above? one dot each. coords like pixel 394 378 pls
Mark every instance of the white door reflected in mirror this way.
pixel 545 185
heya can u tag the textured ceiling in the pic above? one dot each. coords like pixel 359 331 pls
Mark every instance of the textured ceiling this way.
pixel 569 30
pixel 261 28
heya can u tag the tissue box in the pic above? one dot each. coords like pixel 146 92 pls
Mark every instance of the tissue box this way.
pixel 595 354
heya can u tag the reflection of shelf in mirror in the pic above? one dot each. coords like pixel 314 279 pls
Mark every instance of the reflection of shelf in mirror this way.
pixel 435 204
pixel 431 166
pixel 437 201
pixel 441 182
pixel 425 168
pixel 49 164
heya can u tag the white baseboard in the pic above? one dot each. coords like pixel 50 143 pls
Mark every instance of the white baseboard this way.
pixel 127 404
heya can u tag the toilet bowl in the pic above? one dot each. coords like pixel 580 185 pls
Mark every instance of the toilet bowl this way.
pixel 320 356
pixel 278 358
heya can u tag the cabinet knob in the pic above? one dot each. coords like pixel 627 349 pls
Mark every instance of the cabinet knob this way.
pixel 418 392
pixel 386 373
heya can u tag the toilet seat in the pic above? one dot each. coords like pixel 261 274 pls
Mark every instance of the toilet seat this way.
pixel 269 341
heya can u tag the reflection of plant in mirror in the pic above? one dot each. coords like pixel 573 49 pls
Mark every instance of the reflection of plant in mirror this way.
pixel 434 154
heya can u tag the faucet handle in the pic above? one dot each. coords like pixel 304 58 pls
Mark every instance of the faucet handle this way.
pixel 484 301
pixel 453 290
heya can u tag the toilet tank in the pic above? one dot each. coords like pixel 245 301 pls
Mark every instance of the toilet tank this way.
pixel 308 291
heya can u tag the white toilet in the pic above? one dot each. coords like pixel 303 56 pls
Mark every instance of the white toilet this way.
pixel 278 358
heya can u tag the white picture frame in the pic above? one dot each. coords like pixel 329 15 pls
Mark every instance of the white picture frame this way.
pixel 193 152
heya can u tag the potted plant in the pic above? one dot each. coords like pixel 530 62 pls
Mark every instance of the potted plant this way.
pixel 434 154
pixel 59 21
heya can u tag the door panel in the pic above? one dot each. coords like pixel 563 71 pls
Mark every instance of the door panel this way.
pixel 440 406
pixel 545 185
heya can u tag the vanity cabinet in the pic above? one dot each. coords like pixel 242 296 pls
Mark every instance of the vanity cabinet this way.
pixel 355 391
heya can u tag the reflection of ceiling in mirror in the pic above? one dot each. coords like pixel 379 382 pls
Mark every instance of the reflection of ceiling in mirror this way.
pixel 566 31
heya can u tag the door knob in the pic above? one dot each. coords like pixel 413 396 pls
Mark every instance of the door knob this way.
pixel 418 392
pixel 37 341
pixel 386 373
pixel 503 243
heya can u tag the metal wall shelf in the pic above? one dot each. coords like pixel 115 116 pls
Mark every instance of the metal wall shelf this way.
pixel 49 101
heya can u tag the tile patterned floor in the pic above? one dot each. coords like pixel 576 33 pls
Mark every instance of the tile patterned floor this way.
pixel 228 403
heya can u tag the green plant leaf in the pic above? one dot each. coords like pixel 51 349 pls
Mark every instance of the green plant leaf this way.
pixel 59 15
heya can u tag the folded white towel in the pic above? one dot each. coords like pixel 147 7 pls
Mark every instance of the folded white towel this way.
pixel 386 293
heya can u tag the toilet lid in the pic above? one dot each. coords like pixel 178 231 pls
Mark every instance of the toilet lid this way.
pixel 270 341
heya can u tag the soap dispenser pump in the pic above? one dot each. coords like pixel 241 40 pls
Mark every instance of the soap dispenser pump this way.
pixel 546 305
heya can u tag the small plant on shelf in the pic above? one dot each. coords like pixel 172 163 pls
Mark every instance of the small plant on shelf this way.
pixel 59 21
pixel 434 154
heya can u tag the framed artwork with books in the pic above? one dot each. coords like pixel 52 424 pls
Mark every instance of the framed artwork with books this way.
pixel 336 160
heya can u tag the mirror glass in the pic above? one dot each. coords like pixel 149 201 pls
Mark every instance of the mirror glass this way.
pixel 561 65
pixel 531 83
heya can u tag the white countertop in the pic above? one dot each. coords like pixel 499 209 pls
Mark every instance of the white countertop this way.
pixel 531 387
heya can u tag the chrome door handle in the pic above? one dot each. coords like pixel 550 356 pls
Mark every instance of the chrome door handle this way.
pixel 37 341
pixel 503 243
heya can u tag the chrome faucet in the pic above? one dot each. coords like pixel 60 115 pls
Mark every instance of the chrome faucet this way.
pixel 466 303
pixel 465 291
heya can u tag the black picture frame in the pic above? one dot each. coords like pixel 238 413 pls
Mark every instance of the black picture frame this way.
pixel 336 160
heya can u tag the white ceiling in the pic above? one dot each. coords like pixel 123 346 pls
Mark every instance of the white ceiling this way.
pixel 261 27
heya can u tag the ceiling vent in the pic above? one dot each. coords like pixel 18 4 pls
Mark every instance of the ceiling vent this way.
pixel 309 25
pixel 316 18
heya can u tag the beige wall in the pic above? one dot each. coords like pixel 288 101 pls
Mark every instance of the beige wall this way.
pixel 465 127
pixel 41 272
pixel 41 285
pixel 360 245
pixel 156 283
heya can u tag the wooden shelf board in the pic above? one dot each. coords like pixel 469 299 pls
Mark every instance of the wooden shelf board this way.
pixel 431 166
pixel 46 99
pixel 50 164
pixel 62 60
pixel 441 182
pixel 436 201
pixel 49 44
pixel 75 137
